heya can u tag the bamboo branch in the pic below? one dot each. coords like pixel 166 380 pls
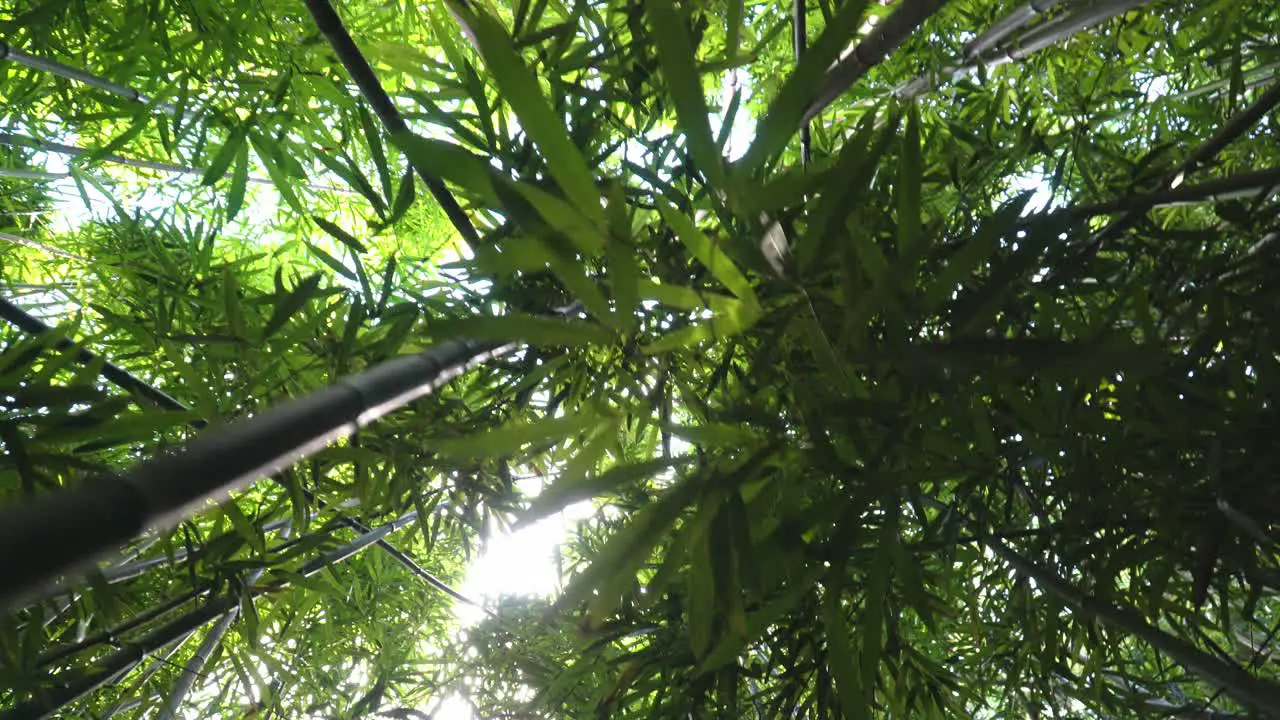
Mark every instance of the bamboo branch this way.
pixel 8 52
pixel 366 81
pixel 1238 125
pixel 25 242
pixel 1246 689
pixel 878 45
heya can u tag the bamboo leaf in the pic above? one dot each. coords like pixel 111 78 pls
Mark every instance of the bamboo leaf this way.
pixel 290 304
pixel 538 330
pixel 340 235
pixel 224 157
pixel 710 255
pixel 679 66
pixel 509 439
pixel 520 88
pixel 239 181
pixel 569 488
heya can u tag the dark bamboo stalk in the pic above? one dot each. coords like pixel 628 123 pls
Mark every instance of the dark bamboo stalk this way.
pixel 878 45
pixel 128 382
pixel 366 81
pixel 63 652
pixel 1035 39
pixel 117 375
pixel 1238 125
pixel 1246 689
pixel 800 35
pixel 62 531
pixel 1239 186
pixel 1054 32
pixel 8 52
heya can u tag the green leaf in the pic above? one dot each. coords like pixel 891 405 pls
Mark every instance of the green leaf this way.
pixel 244 526
pixel 267 150
pixel 570 488
pixel 224 157
pixel 534 329
pixel 290 304
pixel 709 254
pixel 376 150
pixel 679 67
pixel 340 235
pixel 239 181
pixel 509 439
pixel 452 163
pixel 404 199
pixel 520 88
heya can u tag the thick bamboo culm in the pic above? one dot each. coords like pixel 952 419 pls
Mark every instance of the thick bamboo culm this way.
pixel 61 532
pixel 994 47
pixel 124 380
pixel 8 52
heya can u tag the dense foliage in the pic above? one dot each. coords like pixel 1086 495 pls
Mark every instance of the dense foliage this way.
pixel 914 369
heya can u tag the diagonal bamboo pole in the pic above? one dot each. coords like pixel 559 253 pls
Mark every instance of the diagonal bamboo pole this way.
pixel 1008 25
pixel 8 52
pixel 878 45
pixel 123 379
pixel 327 20
pixel 62 531
pixel 800 35
pixel 58 148
pixel 1037 38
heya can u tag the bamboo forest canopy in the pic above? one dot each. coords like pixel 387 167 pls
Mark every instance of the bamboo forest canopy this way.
pixel 901 358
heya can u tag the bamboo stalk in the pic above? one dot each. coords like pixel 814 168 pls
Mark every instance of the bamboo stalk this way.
pixel 1054 32
pixel 212 640
pixel 114 373
pixel 8 52
pixel 878 45
pixel 1006 26
pixel 121 662
pixel 58 148
pixel 1238 125
pixel 1246 689
pixel 61 531
pixel 799 37
pixel 327 20
pixel 129 382
pixel 24 174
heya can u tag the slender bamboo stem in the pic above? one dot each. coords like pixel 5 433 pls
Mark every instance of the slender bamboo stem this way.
pixel 8 52
pixel 121 662
pixel 1238 125
pixel 1246 689
pixel 800 35
pixel 878 45
pixel 58 148
pixel 327 20
pixel 114 373
pixel 1037 38
pixel 1008 25
pixel 212 640
pixel 25 242
pixel 24 174
pixel 138 620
